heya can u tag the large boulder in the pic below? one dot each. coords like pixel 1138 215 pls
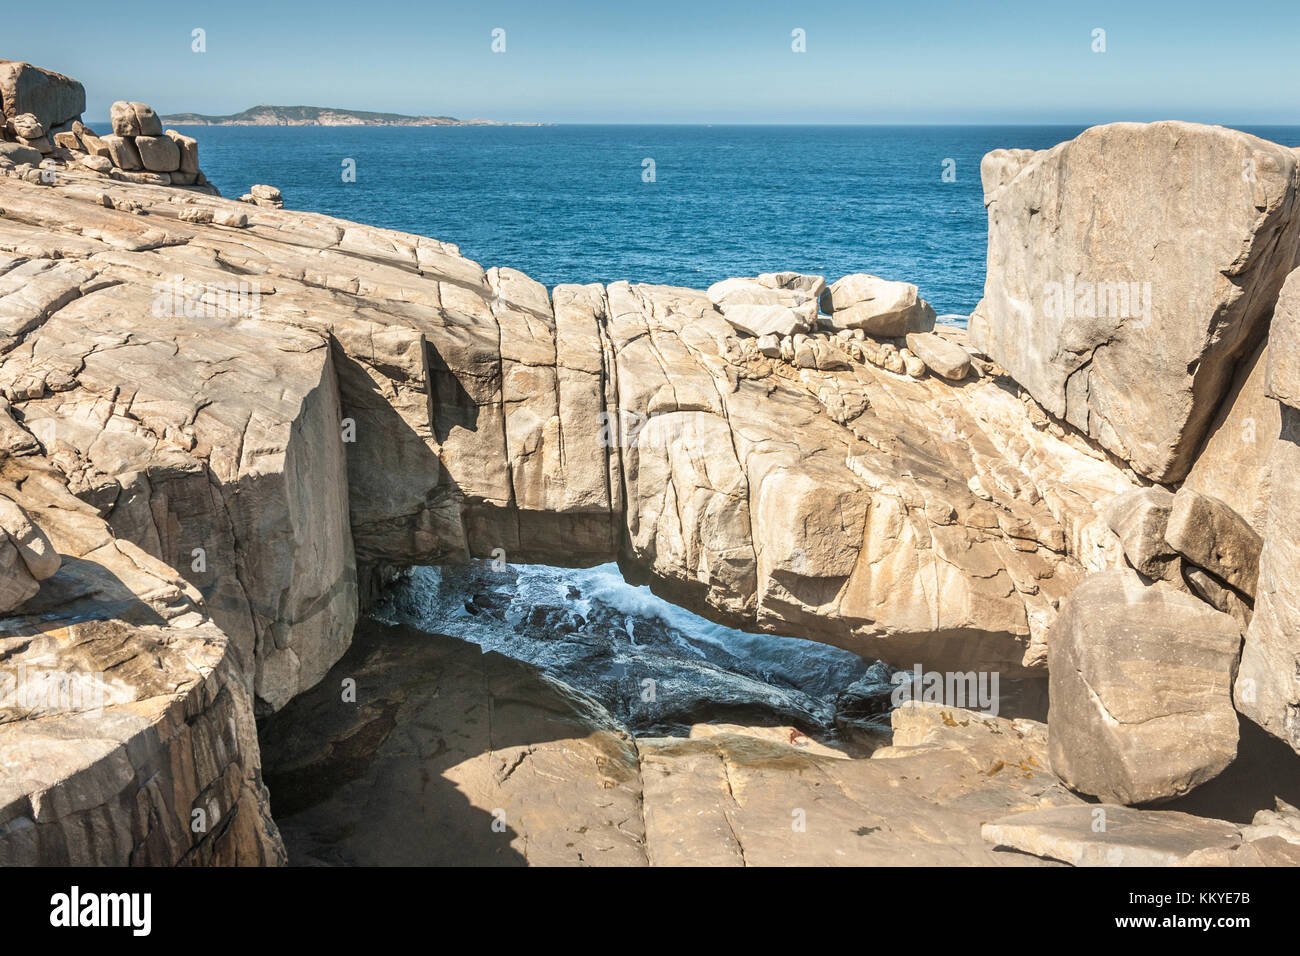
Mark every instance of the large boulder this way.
pixel 189 151
pixel 878 306
pixel 159 154
pixel 1211 535
pixel 18 154
pixel 134 119
pixel 27 126
pixel 1129 336
pixel 1141 690
pixel 122 152
pixel 51 97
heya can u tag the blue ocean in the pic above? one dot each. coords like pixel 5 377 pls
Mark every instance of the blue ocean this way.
pixel 582 204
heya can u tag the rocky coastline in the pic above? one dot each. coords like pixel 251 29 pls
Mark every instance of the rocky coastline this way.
pixel 226 425
pixel 323 116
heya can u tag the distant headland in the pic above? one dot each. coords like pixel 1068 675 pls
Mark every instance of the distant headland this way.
pixel 323 116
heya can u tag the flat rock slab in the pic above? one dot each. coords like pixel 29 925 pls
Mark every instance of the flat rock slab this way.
pixel 940 356
pixel 1110 835
pixel 1269 851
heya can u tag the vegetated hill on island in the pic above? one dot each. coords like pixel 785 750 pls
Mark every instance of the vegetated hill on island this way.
pixel 322 116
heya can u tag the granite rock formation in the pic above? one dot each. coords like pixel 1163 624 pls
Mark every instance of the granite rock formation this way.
pixel 1086 298
pixel 229 422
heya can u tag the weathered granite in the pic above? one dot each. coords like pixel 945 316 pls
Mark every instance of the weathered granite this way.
pixel 1267 689
pixel 1141 690
pixel 269 410
pixel 1126 335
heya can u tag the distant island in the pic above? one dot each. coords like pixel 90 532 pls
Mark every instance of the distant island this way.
pixel 322 116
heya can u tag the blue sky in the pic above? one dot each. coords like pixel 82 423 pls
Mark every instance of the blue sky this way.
pixel 941 61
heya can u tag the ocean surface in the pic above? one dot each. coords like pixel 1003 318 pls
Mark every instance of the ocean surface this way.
pixel 593 631
pixel 571 204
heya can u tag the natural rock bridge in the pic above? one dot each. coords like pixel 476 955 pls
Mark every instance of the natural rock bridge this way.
pixel 227 487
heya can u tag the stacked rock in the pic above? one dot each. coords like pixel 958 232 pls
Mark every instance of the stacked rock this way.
pixel 263 195
pixel 142 149
pixel 42 131
pixel 867 319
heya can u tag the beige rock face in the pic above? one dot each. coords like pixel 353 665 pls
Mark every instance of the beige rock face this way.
pixel 363 386
pixel 1234 465
pixel 1283 366
pixel 1084 296
pixel 123 713
pixel 1141 678
pixel 252 413
pixel 1267 690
